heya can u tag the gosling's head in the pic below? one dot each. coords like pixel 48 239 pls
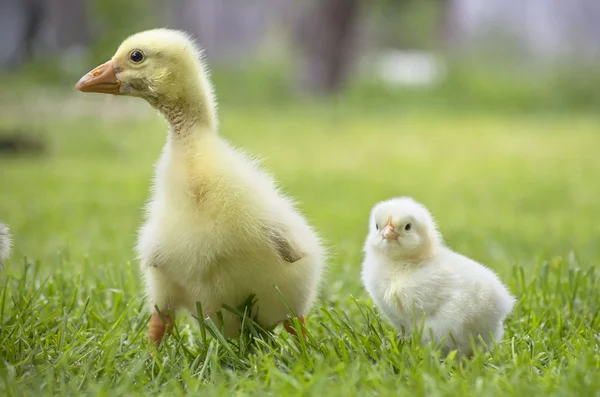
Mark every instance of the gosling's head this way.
pixel 402 228
pixel 159 65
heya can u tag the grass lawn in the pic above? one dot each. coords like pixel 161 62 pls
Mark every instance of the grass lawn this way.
pixel 519 193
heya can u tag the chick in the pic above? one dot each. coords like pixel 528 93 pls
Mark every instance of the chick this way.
pixel 410 275
pixel 5 244
pixel 217 228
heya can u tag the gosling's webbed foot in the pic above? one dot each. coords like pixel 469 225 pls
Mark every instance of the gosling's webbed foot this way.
pixel 159 327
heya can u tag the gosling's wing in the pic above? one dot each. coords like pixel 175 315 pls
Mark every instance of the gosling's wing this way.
pixel 283 245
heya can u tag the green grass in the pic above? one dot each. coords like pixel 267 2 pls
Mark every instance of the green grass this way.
pixel 516 192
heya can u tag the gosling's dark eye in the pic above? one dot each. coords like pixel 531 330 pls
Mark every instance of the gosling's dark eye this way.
pixel 377 226
pixel 136 56
pixel 407 227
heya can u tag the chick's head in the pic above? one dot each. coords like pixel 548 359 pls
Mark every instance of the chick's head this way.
pixel 157 65
pixel 402 228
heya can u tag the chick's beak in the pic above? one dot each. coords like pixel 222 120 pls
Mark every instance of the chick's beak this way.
pixel 388 231
pixel 102 79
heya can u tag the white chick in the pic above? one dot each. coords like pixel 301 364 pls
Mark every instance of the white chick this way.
pixel 217 228
pixel 5 244
pixel 410 274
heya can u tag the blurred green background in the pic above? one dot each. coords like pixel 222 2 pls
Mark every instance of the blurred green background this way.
pixel 488 114
pixel 349 102
pixel 452 54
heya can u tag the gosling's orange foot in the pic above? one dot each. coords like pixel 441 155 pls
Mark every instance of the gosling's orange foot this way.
pixel 158 326
pixel 290 329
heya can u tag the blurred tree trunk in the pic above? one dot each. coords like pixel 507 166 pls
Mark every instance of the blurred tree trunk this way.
pixel 448 29
pixel 28 27
pixel 227 30
pixel 20 21
pixel 66 24
pixel 325 36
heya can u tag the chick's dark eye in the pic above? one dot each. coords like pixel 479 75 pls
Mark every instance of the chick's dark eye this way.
pixel 377 226
pixel 407 227
pixel 136 56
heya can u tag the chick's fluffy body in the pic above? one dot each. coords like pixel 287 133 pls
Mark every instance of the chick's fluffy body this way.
pixel 457 298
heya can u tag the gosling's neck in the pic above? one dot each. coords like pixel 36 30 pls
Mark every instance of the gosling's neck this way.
pixel 188 112
pixel 182 118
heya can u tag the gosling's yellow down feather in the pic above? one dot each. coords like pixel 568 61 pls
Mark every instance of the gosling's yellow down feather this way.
pixel 217 227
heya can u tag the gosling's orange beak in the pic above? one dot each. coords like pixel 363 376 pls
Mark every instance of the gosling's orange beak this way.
pixel 388 231
pixel 102 79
